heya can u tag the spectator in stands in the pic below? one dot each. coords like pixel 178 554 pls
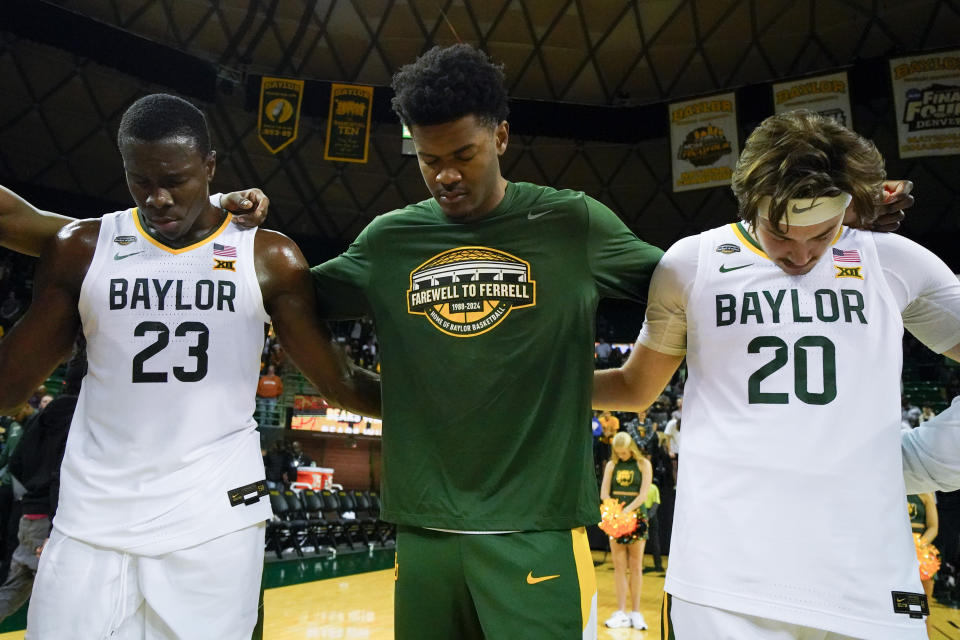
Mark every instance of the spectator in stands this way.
pixel 10 310
pixel 275 462
pixel 369 353
pixel 652 505
pixel 270 388
pixel 659 412
pixel 922 509
pixel 926 413
pixel 610 424
pixel 643 432
pixel 601 449
pixel 912 420
pixel 14 425
pixel 908 409
pixel 603 353
pixel 300 458
pixel 678 403
pixel 672 436
pixel 35 467
pixel 627 478
pixel 277 357
pixel 34 400
pixel 45 399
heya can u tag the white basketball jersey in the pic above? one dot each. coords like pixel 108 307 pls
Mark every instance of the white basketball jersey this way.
pixel 163 453
pixel 790 501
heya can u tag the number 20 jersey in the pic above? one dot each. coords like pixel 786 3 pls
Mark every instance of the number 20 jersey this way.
pixel 163 452
pixel 791 499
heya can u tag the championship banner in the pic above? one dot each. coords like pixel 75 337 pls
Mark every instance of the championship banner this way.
pixel 926 95
pixel 348 124
pixel 279 115
pixel 827 95
pixel 703 139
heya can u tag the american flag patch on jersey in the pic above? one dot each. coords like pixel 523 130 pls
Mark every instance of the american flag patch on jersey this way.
pixel 226 251
pixel 846 255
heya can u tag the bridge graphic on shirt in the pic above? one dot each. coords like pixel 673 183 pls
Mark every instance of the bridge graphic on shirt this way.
pixel 469 290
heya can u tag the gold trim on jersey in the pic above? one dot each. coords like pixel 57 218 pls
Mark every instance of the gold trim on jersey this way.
pixel 157 243
pixel 586 576
pixel 745 238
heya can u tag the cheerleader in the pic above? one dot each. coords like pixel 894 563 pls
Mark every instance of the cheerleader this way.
pixel 924 522
pixel 626 478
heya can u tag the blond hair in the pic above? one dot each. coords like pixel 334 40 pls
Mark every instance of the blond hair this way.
pixel 623 441
pixel 801 154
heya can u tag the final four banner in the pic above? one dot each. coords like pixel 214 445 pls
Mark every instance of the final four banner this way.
pixel 827 95
pixel 703 139
pixel 926 94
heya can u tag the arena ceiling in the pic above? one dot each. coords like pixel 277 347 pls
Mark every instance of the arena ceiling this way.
pixel 69 69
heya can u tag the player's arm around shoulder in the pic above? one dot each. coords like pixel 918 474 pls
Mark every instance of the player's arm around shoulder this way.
pixel 45 335
pixel 926 291
pixel 290 298
pixel 662 343
pixel 23 227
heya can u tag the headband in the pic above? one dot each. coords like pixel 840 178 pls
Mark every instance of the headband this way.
pixel 805 212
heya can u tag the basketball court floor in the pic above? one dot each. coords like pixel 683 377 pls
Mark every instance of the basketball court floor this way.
pixel 350 597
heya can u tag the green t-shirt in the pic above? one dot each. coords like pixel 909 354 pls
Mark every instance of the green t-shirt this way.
pixel 486 334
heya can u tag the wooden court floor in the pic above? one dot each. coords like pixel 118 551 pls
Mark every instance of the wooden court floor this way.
pixel 358 604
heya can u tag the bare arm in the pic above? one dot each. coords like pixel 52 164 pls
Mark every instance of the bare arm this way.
pixel 26 229
pixel 605 483
pixel 290 299
pixel 635 385
pixel 953 353
pixel 933 519
pixel 930 453
pixel 23 227
pixel 44 336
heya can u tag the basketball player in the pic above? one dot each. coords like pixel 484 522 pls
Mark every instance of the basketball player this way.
pixel 161 521
pixel 791 325
pixel 484 298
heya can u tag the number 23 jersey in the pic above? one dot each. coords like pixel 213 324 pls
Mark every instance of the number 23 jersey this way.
pixel 791 494
pixel 163 451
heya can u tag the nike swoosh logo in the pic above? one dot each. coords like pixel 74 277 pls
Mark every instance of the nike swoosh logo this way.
pixel 532 580
pixel 534 216
pixel 725 269
pixel 797 209
pixel 117 256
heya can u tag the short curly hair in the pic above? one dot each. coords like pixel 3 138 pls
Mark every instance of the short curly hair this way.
pixel 801 154
pixel 160 115
pixel 448 83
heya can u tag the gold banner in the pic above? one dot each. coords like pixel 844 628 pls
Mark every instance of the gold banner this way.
pixel 279 114
pixel 348 124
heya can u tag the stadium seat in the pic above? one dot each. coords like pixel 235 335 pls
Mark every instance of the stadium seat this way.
pixel 385 530
pixel 368 523
pixel 331 513
pixel 318 529
pixel 295 520
pixel 278 536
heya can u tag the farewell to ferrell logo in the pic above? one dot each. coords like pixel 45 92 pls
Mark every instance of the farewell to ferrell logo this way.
pixel 469 290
